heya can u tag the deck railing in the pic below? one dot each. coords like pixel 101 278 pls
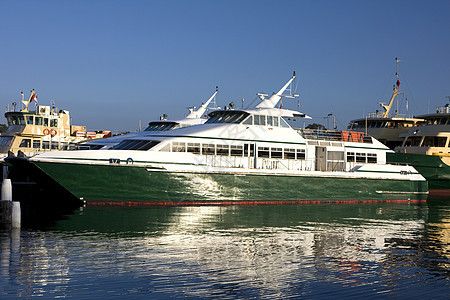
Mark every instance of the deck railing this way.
pixel 330 135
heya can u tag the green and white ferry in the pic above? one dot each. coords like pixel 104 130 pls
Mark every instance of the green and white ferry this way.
pixel 248 156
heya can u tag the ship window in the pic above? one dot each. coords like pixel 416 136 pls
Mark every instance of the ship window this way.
pixel 135 145
pixel 283 123
pixel 350 156
pixel 25 143
pixel 276 152
pixel 45 121
pixel 289 153
pixel 161 126
pixel 178 147
pixel 248 121
pixel 269 121
pixel 53 122
pixel 301 154
pixel 260 120
pixel 38 120
pixel 45 145
pixel 361 157
pixel 415 141
pixel 55 145
pixel 208 149
pixel 36 144
pixel 275 121
pixel 193 148
pixel 20 120
pixel 29 120
pixel 64 145
pixel 263 151
pixel 234 117
pixel 6 140
pixel 166 148
pixel 223 149
pixel 372 158
pixel 236 150
pixel 434 141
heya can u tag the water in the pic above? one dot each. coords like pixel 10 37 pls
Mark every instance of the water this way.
pixel 322 251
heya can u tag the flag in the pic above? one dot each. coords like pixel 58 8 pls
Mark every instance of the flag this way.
pixel 398 83
pixel 33 97
pixel 281 104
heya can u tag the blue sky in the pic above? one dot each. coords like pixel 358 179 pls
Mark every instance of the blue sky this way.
pixel 113 63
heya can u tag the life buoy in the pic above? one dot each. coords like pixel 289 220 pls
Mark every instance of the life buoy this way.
pixel 46 131
pixel 53 132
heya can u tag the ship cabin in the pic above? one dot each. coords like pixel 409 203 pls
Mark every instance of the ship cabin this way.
pixel 263 139
pixel 432 137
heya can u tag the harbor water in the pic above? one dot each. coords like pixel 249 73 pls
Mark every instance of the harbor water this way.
pixel 312 251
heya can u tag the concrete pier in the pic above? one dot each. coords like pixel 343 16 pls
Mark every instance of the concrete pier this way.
pixel 9 210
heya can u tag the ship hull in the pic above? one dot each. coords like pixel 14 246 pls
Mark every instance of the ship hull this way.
pixel 435 171
pixel 137 184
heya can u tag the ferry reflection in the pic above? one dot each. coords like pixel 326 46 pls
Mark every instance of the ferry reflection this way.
pixel 266 248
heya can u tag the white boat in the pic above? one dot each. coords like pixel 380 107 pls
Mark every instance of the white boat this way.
pixel 194 117
pixel 236 156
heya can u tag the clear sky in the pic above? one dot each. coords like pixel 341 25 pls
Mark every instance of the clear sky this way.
pixel 113 63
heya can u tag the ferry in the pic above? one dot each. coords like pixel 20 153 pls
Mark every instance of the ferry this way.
pixel 194 117
pixel 427 148
pixel 238 156
pixel 384 125
pixel 41 130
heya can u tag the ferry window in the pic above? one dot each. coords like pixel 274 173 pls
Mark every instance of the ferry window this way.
pixel 135 145
pixel 361 157
pixel 193 148
pixel 234 117
pixel 25 143
pixel 178 147
pixel 262 120
pixel 36 144
pixel 372 158
pixel 21 120
pixel 208 149
pixel 45 121
pixel 64 145
pixel 45 145
pixel 161 126
pixel 350 156
pixel 275 121
pixel 29 120
pixel 269 121
pixel 283 123
pixel 263 151
pixel 434 141
pixel 289 153
pixel 6 140
pixel 248 121
pixel 166 148
pixel 249 150
pixel 38 120
pixel 223 150
pixel 236 150
pixel 301 154
pixel 256 120
pixel 53 122
pixel 55 145
pixel 443 121
pixel 276 152
pixel 415 141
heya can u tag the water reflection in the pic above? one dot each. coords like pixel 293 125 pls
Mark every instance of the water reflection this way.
pixel 328 250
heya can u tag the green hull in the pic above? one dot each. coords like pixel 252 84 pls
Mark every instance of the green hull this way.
pixel 431 167
pixel 107 183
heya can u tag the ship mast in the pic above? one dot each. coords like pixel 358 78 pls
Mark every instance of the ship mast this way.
pixel 195 114
pixel 273 100
pixel 387 108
